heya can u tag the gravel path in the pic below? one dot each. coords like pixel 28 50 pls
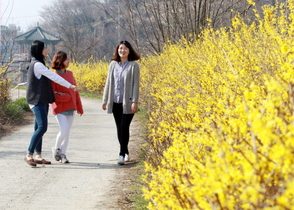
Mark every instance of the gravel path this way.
pixel 88 182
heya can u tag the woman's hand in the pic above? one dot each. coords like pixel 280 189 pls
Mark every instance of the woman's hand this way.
pixel 134 107
pixel 104 106
pixel 73 87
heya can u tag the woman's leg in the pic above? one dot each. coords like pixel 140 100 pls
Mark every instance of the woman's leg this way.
pixel 122 122
pixel 125 133
pixel 41 123
pixel 65 123
pixel 64 144
pixel 117 111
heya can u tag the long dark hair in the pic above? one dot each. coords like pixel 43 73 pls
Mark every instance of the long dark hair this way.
pixel 58 60
pixel 133 56
pixel 36 50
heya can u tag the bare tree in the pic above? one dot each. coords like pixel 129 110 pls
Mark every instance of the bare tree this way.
pixel 151 23
pixel 93 27
pixel 78 25
pixel 7 44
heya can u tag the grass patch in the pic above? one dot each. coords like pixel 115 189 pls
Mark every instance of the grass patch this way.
pixel 22 87
pixel 90 95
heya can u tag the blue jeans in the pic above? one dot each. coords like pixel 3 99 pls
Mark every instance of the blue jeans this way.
pixel 41 123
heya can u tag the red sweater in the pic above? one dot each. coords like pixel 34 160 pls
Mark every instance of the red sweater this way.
pixel 69 101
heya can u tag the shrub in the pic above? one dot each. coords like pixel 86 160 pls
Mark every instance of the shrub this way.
pixel 91 76
pixel 4 96
pixel 23 104
pixel 221 118
pixel 14 110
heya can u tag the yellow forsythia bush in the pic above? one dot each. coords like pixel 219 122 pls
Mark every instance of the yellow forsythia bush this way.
pixel 4 95
pixel 4 90
pixel 91 75
pixel 221 114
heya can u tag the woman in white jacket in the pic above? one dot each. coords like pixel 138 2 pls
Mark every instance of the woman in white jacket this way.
pixel 121 93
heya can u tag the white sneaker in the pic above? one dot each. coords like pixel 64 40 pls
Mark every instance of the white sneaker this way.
pixel 56 154
pixel 64 159
pixel 127 158
pixel 121 160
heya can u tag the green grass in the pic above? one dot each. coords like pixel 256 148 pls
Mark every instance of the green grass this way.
pixel 22 87
pixel 90 95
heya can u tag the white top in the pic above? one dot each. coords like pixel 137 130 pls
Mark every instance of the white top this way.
pixel 40 69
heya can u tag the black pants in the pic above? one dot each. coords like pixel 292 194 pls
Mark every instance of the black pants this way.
pixel 122 122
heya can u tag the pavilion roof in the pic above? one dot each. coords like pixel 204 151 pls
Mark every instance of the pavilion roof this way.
pixel 37 34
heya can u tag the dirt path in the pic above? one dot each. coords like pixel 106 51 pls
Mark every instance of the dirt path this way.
pixel 90 181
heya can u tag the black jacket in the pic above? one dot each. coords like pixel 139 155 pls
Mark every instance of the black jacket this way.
pixel 38 90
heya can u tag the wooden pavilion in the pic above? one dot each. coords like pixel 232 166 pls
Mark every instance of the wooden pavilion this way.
pixel 25 40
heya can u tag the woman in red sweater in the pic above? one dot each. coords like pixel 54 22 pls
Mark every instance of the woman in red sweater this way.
pixel 66 103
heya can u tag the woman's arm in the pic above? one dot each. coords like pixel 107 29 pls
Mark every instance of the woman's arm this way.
pixel 40 69
pixel 136 83
pixel 106 87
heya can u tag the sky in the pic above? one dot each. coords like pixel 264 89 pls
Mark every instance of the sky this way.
pixel 23 13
